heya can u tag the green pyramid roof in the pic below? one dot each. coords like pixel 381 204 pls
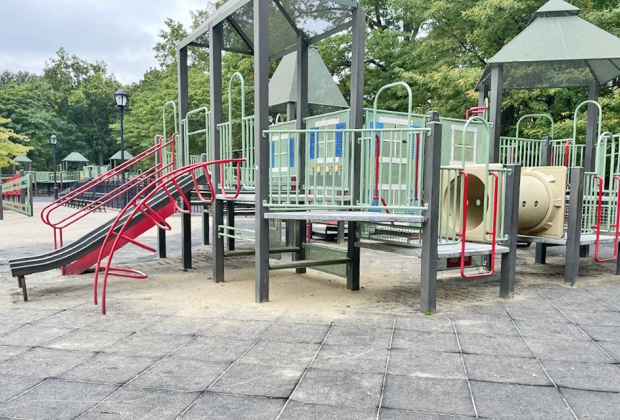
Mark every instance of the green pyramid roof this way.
pixel 75 157
pixel 22 159
pixel 117 156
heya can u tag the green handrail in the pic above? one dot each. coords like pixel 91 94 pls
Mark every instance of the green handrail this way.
pixel 535 115
pixel 176 124
pixel 600 118
pixel 391 85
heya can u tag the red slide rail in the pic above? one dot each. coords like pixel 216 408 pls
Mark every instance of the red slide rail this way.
pixel 151 173
pixel 139 204
pixel 464 226
pixel 597 226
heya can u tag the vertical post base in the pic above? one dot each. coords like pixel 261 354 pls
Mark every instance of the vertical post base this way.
pixel 205 226
pixel 217 209
pixel 340 233
pixel 584 251
pixel 161 243
pixel 230 219
pixel 541 253
pixel 299 234
pixel 353 252
pixel 186 237
pixel 21 281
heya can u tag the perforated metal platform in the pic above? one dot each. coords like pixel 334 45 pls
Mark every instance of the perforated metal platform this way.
pixel 345 216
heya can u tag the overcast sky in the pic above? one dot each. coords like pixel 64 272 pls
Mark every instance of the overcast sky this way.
pixel 120 32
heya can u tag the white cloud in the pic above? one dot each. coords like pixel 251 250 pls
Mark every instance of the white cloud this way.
pixel 120 32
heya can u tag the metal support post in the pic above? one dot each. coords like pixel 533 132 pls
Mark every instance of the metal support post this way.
pixel 511 220
pixel 497 86
pixel 230 221
pixel 302 113
pixel 216 41
pixel 161 233
pixel 205 215
pixel 358 48
pixel 186 219
pixel 340 233
pixel 575 213
pixel 545 160
pixel 290 111
pixel 432 164
pixel 483 95
pixel 261 148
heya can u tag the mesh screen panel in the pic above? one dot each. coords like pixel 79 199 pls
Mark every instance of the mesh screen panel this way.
pixel 318 252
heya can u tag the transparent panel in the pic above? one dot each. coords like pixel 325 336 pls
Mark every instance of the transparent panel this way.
pixel 232 39
pixel 315 17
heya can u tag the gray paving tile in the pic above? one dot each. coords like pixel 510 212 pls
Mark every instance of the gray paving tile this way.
pixel 609 333
pixel 422 340
pixel 218 406
pixel 57 399
pixel 570 351
pixel 426 364
pixel 587 376
pixel 259 381
pixel 110 368
pixel 177 373
pixel 69 319
pixel 504 369
pixel 142 404
pixel 435 323
pixel 391 414
pixel 340 388
pixel 612 349
pixel 33 335
pixel 42 362
pixel 6 327
pixel 296 410
pixel 12 386
pixel 509 401
pixel 124 322
pixel 594 318
pixel 493 311
pixel 502 326
pixel 88 340
pixel 351 358
pixel 216 350
pixel 150 344
pixel 255 313
pixel 238 328
pixel 544 329
pixel 366 319
pixel 297 333
pixel 301 317
pixel 494 345
pixel 24 316
pixel 440 396
pixel 525 314
pixel 593 405
pixel 275 353
pixel 359 336
pixel 9 352
pixel 180 325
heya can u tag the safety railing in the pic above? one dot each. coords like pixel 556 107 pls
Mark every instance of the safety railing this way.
pixel 167 157
pixel 120 191
pixel 567 153
pixel 140 204
pixel 531 117
pixel 202 131
pixel 525 152
pixel 16 194
pixel 612 222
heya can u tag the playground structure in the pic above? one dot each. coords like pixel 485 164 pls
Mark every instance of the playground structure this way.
pixel 446 190
pixel 15 195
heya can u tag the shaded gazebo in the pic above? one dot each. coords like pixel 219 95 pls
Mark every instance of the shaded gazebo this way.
pixel 116 158
pixel 22 160
pixel 558 49
pixel 74 157
pixel 323 93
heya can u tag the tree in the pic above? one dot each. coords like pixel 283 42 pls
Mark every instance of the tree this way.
pixel 8 145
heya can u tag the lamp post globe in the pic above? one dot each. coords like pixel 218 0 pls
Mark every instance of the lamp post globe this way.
pixel 53 141
pixel 120 97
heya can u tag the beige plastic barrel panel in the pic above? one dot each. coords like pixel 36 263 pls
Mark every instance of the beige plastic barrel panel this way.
pixel 542 201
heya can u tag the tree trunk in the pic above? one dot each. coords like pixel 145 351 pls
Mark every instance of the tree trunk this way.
pixel 100 157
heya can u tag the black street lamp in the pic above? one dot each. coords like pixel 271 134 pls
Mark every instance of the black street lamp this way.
pixel 53 141
pixel 121 101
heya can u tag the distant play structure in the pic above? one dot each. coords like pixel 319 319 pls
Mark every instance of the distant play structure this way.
pixel 449 191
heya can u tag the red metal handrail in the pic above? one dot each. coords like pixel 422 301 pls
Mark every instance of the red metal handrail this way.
pixel 464 226
pixel 160 183
pixel 598 219
pixel 117 192
pixel 475 110
pixel 568 143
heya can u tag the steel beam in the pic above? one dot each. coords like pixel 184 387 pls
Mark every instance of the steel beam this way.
pixel 298 231
pixel 432 163
pixel 186 219
pixel 261 145
pixel 216 40
pixel 511 226
pixel 495 113
pixel 575 213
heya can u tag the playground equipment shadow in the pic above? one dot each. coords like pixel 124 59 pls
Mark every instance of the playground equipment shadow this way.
pixel 177 345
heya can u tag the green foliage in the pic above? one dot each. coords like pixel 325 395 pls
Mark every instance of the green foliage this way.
pixel 8 145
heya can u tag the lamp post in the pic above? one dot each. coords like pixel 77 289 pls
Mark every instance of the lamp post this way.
pixel 121 101
pixel 53 141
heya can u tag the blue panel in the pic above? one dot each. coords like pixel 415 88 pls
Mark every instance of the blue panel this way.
pixel 291 151
pixel 374 139
pixel 312 144
pixel 339 151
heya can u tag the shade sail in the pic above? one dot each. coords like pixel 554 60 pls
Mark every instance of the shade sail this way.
pixel 323 92
pixel 558 49
pixel 117 155
pixel 75 157
pixel 312 19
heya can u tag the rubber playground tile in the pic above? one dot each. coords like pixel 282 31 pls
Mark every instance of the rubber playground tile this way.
pixel 440 396
pixel 25 315
pixel 9 352
pixel 612 349
pixel 259 381
pixel 42 362
pixel 593 405
pixel 505 369
pixel 33 335
pixel 426 364
pixel 236 328
pixel 219 406
pixel 560 349
pixel 494 345
pixel 69 319
pixel 275 353
pixel 124 322
pixel 609 333
pixel 340 388
pixel 255 314
pixel 215 350
pixel 112 368
pixel 544 329
pixel 421 340
pixel 12 386
pixel 391 414
pixel 594 318
pixel 150 344
pixel 359 336
pixel 351 358
pixel 588 376
pixel 88 340
pixel 502 326
pixel 180 325
pixel 177 373
pixel 437 323
pixel 365 319
pixel 297 333
pixel 296 410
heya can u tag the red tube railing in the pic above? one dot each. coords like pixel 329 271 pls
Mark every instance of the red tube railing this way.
pixel 464 226
pixel 159 183
pixel 598 219
pixel 475 110
pixel 153 172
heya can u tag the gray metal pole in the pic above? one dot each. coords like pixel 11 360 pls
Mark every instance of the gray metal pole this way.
pixel 299 226
pixel 161 233
pixel 545 160
pixel 430 237
pixel 290 110
pixel 216 43
pixel 340 233
pixel 261 145
pixel 511 226
pixel 575 213
pixel 55 183
pixel 497 86
pixel 230 221
pixel 358 50
pixel 186 219
pixel 123 156
pixel 592 128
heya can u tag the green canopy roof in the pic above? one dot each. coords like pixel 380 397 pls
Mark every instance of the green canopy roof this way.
pixel 323 92
pixel 22 159
pixel 117 155
pixel 75 157
pixel 558 49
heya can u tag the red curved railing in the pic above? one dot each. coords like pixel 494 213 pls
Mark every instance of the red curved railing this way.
pixel 598 219
pixel 464 226
pixel 475 110
pixel 151 173
pixel 139 205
